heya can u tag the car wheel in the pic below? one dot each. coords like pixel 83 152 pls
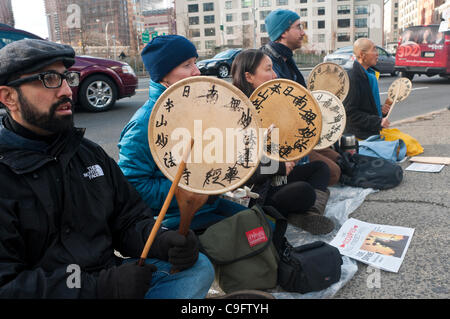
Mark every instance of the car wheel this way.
pixel 408 75
pixel 98 93
pixel 223 71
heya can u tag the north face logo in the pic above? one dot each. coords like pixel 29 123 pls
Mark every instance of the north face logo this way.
pixel 93 172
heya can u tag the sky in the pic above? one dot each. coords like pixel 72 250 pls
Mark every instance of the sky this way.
pixel 29 15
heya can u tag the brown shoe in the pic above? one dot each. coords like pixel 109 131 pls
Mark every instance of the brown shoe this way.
pixel 313 220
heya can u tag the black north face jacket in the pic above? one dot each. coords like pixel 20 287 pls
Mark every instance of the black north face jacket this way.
pixel 63 206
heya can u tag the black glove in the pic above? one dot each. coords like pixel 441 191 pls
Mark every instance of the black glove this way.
pixel 181 251
pixel 128 281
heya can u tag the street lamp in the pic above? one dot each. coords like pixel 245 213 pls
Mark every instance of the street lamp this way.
pixel 106 36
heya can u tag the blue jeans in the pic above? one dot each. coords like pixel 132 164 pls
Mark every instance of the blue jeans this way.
pixel 192 283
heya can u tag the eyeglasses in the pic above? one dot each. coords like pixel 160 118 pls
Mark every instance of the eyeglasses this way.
pixel 299 26
pixel 50 79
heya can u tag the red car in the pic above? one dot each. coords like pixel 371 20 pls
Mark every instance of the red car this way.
pixel 102 81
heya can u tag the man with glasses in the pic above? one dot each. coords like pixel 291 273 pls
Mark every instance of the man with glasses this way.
pixel 286 35
pixel 65 206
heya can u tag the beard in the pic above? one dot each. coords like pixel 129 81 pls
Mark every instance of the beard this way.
pixel 46 121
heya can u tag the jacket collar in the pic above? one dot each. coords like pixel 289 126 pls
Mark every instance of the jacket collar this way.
pixel 155 90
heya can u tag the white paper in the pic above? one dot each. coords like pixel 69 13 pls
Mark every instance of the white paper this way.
pixel 381 246
pixel 424 167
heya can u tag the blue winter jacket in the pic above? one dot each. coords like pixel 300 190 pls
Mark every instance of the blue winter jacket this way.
pixel 137 164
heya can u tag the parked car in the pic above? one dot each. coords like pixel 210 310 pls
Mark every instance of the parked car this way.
pixel 220 64
pixel 345 58
pixel 102 81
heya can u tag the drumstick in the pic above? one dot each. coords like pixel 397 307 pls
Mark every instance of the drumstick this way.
pixel 166 204
pixel 395 101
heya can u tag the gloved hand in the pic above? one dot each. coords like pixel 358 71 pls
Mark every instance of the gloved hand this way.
pixel 181 251
pixel 127 281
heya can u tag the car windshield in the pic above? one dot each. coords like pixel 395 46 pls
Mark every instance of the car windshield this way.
pixel 7 37
pixel 225 54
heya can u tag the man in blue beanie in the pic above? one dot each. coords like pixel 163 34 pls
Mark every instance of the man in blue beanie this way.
pixel 168 59
pixel 286 35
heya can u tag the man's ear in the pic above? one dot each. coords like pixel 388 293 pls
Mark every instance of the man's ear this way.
pixel 9 98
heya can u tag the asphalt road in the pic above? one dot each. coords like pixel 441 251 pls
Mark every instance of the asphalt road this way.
pixel 428 94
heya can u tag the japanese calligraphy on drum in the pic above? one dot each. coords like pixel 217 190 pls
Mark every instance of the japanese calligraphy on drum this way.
pixel 403 86
pixel 331 77
pixel 333 118
pixel 295 114
pixel 225 128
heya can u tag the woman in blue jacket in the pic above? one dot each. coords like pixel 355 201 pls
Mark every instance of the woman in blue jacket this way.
pixel 168 59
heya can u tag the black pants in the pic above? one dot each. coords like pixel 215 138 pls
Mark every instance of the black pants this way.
pixel 299 194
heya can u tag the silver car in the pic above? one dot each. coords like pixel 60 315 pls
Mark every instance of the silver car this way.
pixel 345 58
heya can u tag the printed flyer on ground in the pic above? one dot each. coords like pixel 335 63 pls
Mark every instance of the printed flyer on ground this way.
pixel 381 246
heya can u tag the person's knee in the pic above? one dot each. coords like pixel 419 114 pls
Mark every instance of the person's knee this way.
pixel 335 174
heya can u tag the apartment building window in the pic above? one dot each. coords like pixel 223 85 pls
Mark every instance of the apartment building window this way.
pixel 230 41
pixel 361 35
pixel 208 6
pixel 198 44
pixel 210 44
pixel 361 23
pixel 264 14
pixel 192 8
pixel 208 19
pixel 245 16
pixel 194 20
pixel 229 17
pixel 343 37
pixel 321 38
pixel 262 28
pixel 282 2
pixel 343 9
pixel 265 3
pixel 230 30
pixel 246 3
pixel 209 32
pixel 320 11
pixel 361 10
pixel 343 23
pixel 321 24
pixel 194 33
pixel 228 4
pixel 303 1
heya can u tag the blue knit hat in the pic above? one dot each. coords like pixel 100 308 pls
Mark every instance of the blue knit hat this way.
pixel 166 52
pixel 279 21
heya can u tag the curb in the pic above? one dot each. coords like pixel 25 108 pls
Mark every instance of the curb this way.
pixel 421 117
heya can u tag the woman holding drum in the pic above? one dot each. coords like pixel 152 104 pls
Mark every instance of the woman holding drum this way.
pixel 168 59
pixel 298 191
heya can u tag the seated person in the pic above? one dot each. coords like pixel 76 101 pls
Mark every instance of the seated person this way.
pixel 298 191
pixel 168 59
pixel 65 206
pixel 365 115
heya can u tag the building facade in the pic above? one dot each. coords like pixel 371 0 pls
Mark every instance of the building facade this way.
pixel 6 13
pixel 103 24
pixel 329 25
pixel 391 29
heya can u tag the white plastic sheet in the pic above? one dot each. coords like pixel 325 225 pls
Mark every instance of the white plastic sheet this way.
pixel 342 202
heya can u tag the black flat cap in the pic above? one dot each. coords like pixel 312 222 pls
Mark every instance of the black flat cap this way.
pixel 31 55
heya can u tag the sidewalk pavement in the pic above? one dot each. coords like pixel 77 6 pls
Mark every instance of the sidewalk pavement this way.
pixel 422 202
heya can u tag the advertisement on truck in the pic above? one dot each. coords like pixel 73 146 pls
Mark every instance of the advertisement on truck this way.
pixel 423 50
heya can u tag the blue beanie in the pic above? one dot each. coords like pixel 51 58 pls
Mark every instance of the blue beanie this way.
pixel 166 52
pixel 279 21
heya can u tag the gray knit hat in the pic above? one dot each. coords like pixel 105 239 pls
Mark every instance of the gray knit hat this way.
pixel 30 55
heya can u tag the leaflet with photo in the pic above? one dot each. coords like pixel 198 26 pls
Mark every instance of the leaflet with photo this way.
pixel 381 246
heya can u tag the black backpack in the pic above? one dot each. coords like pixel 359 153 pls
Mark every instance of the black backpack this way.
pixel 369 172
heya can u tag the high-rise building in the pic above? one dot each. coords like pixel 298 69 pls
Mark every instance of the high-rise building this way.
pixel 391 30
pixel 6 13
pixel 329 25
pixel 85 24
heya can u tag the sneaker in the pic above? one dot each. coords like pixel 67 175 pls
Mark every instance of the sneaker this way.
pixel 312 223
